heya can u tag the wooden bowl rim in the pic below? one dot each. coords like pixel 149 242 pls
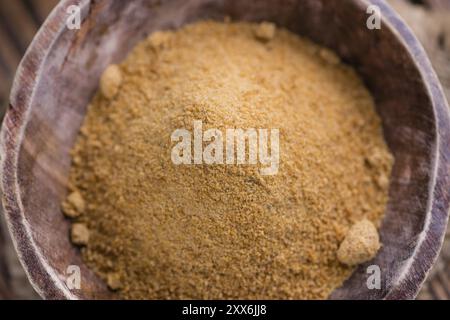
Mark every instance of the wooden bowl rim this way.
pixel 45 280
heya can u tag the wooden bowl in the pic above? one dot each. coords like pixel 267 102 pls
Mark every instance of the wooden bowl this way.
pixel 59 75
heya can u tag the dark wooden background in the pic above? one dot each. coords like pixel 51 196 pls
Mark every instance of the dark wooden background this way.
pixel 20 19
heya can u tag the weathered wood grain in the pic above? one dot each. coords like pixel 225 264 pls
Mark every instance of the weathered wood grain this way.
pixel 41 8
pixel 15 16
pixel 432 26
pixel 19 21
pixel 5 288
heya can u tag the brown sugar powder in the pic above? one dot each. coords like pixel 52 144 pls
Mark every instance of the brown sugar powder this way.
pixel 155 230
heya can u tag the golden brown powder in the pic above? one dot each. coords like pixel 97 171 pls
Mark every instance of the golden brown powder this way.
pixel 74 205
pixel 79 234
pixel 111 81
pixel 360 245
pixel 158 230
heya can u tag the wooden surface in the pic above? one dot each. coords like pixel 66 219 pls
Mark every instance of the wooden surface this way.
pixel 430 22
pixel 19 21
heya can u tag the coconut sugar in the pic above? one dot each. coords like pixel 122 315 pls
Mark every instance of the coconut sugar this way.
pixel 155 230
